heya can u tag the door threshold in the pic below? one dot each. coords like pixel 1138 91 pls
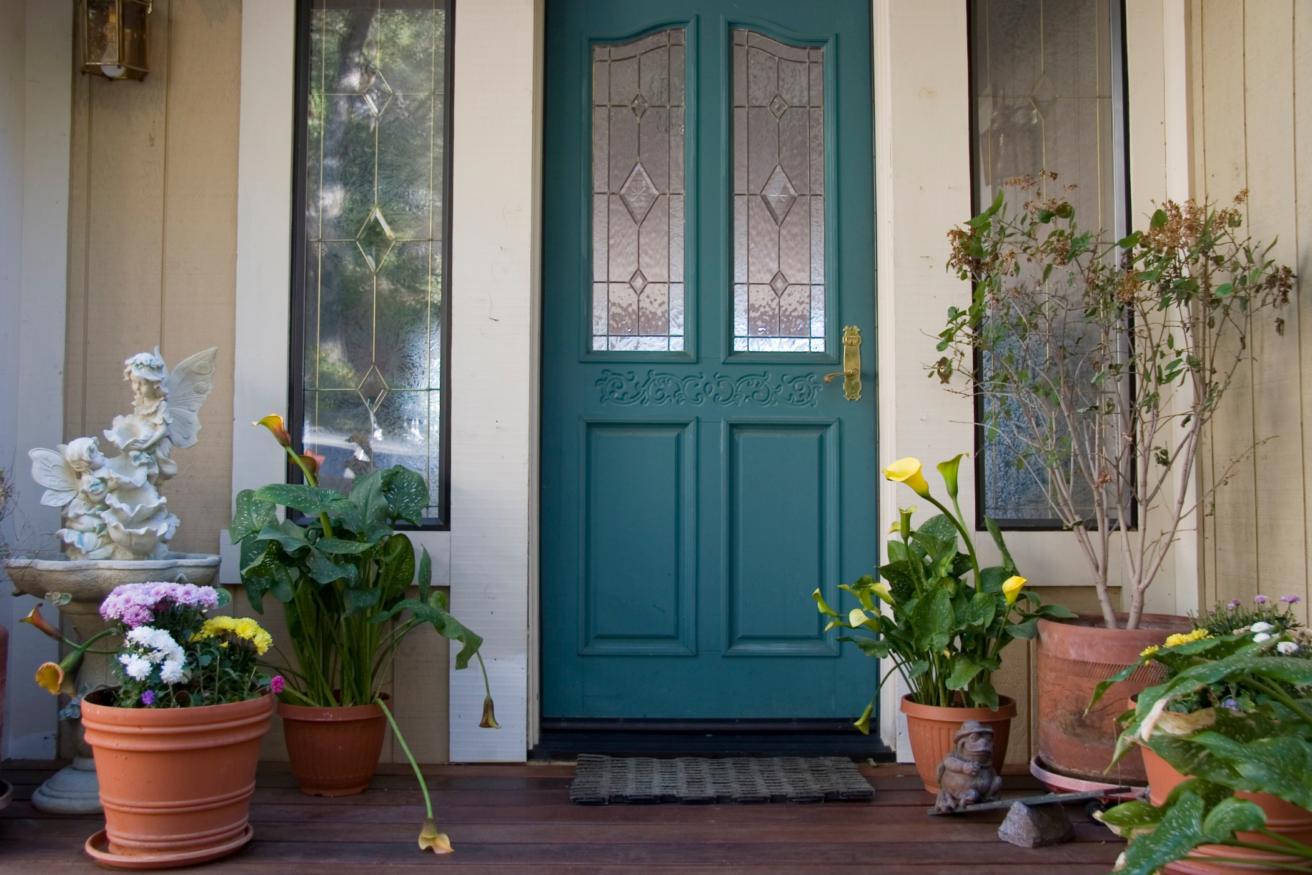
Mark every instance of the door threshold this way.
pixel 565 739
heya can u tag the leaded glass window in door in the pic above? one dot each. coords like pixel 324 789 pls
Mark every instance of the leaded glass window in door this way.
pixel 638 102
pixel 778 195
pixel 371 292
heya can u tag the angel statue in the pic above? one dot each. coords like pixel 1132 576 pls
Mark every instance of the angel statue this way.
pixel 112 508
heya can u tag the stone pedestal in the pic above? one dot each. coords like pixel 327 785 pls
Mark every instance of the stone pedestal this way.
pixel 74 790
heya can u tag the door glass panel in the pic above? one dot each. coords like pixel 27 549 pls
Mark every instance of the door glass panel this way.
pixel 637 193
pixel 778 195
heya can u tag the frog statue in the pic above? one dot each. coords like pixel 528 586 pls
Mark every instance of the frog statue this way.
pixel 112 508
pixel 966 775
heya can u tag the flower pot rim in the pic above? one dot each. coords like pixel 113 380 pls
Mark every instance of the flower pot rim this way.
pixel 1006 710
pixel 1094 622
pixel 189 714
pixel 332 714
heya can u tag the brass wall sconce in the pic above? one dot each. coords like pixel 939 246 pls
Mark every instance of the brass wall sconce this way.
pixel 113 34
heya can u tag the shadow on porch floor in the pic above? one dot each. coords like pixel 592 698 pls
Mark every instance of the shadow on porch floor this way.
pixel 517 820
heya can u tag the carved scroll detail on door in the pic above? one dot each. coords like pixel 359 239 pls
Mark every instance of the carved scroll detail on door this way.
pixel 626 389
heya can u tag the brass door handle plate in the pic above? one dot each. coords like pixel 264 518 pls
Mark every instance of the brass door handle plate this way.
pixel 851 372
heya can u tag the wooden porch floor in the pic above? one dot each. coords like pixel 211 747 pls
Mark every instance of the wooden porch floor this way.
pixel 517 820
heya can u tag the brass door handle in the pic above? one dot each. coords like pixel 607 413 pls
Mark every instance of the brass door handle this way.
pixel 851 372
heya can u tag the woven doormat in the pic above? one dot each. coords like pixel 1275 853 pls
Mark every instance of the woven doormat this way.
pixel 600 780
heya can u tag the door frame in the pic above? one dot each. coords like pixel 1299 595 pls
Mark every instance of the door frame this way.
pixel 490 558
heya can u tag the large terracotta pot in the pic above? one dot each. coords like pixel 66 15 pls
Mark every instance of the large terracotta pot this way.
pixel 931 728
pixel 334 751
pixel 176 783
pixel 1281 817
pixel 1074 656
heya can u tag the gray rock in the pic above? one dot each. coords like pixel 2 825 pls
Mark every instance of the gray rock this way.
pixel 1036 826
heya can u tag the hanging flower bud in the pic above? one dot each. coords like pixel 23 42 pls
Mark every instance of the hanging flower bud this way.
pixel 40 623
pixel 274 423
pixel 432 840
pixel 489 720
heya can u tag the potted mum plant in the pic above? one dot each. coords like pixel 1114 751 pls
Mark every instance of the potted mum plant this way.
pixel 177 742
pixel 342 574
pixel 943 621
pixel 1227 738
pixel 1097 367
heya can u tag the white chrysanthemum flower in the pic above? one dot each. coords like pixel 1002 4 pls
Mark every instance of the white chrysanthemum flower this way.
pixel 1288 648
pixel 1261 627
pixel 137 667
pixel 173 671
pixel 1261 636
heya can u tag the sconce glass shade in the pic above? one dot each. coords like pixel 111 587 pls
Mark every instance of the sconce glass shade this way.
pixel 113 36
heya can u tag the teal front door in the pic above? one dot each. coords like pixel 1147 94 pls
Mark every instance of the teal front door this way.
pixel 708 258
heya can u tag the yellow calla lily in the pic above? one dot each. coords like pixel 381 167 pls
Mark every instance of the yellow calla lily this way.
pixel 489 720
pixel 885 594
pixel 58 678
pixel 41 624
pixel 274 423
pixel 908 471
pixel 432 840
pixel 1011 589
pixel 895 528
pixel 863 722
pixel 856 617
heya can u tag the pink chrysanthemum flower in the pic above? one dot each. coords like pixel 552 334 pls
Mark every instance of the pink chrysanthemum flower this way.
pixel 135 604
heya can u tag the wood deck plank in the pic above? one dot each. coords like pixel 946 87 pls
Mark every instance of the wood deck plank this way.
pixel 517 820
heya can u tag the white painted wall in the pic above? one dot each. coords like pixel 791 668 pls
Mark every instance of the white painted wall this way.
pixel 35 112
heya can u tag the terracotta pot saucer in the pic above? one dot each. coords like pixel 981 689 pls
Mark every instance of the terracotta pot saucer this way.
pixel 98 847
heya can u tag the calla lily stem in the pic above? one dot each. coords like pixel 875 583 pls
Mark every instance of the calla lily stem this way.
pixel 396 730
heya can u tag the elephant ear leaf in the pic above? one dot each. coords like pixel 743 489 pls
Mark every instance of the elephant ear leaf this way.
pixel 406 494
pixel 252 515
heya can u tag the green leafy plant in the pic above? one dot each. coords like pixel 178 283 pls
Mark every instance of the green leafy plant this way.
pixel 1101 364
pixel 941 618
pixel 343 577
pixel 1233 714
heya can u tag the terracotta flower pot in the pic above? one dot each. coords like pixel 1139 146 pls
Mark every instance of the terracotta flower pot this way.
pixel 176 783
pixel 1282 817
pixel 1074 656
pixel 931 728
pixel 334 751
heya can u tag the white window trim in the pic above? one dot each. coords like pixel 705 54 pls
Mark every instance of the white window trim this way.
pixel 488 557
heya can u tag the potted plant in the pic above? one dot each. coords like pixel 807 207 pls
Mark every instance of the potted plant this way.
pixel 1097 367
pixel 1228 742
pixel 176 743
pixel 943 621
pixel 342 573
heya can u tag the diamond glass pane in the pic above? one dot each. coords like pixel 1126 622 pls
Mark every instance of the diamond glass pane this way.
pixel 1044 102
pixel 778 193
pixel 372 298
pixel 637 194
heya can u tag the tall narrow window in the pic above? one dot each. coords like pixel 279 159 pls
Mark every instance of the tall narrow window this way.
pixel 778 195
pixel 370 287
pixel 1048 86
pixel 637 193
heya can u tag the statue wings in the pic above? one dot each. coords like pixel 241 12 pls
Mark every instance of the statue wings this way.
pixel 189 384
pixel 51 470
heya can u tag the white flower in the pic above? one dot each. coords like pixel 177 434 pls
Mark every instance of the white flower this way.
pixel 1261 627
pixel 173 671
pixel 1261 636
pixel 137 667
pixel 1288 648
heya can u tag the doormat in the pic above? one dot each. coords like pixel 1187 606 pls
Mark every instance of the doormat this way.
pixel 600 780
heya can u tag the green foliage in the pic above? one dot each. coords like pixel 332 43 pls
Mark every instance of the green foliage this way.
pixel 1100 364
pixel 343 578
pixel 941 618
pixel 1234 714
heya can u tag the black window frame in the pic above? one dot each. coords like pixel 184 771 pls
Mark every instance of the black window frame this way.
pixel 1121 175
pixel 296 369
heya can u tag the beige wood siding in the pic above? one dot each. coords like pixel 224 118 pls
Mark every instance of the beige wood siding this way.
pixel 1251 87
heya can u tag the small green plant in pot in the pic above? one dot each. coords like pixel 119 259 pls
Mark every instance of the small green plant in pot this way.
pixel 342 574
pixel 1227 738
pixel 943 621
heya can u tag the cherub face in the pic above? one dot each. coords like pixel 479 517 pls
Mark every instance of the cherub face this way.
pixel 84 455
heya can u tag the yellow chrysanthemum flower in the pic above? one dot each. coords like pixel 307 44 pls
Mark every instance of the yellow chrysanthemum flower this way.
pixel 1186 637
pixel 1147 653
pixel 242 628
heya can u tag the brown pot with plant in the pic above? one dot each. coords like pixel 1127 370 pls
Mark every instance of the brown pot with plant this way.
pixel 943 622
pixel 177 741
pixel 1226 737
pixel 342 573
pixel 1098 366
